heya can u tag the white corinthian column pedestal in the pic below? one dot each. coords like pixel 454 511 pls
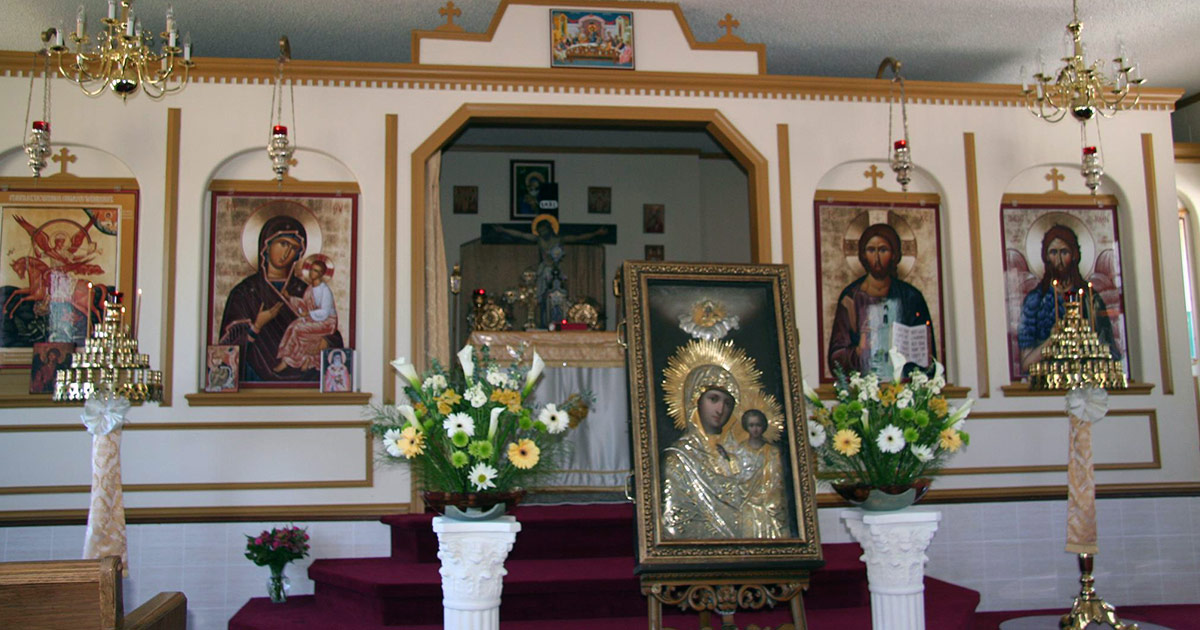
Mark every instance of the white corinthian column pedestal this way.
pixel 894 546
pixel 472 555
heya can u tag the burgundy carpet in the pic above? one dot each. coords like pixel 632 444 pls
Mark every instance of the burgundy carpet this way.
pixel 1176 617
pixel 571 567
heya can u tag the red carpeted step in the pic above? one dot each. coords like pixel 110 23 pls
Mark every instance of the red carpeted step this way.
pixel 547 531
pixel 842 582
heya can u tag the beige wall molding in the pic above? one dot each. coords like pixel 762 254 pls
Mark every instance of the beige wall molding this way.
pixel 373 511
pixel 367 481
pixel 272 397
pixel 1187 152
pixel 1164 348
pixel 977 286
pixel 170 239
pixel 619 82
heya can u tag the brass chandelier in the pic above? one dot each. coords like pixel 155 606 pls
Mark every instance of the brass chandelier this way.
pixel 1082 88
pixel 120 57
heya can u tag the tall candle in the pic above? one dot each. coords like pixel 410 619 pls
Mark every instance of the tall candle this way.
pixel 1081 490
pixel 137 310
pixel 89 310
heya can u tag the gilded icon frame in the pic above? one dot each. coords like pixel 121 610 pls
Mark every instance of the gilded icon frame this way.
pixel 655 295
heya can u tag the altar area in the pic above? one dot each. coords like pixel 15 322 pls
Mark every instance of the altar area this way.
pixel 577 361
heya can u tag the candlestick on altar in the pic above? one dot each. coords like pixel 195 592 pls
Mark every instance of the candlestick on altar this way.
pixel 137 312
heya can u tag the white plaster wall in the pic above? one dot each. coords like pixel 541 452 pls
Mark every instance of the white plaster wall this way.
pixel 341 130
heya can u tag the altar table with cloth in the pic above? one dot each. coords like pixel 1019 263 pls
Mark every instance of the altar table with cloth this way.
pixel 598 457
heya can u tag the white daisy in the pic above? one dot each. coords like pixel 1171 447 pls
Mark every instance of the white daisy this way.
pixel 391 441
pixel 434 382
pixel 891 439
pixel 475 395
pixel 482 476
pixel 922 453
pixel 555 419
pixel 459 422
pixel 816 434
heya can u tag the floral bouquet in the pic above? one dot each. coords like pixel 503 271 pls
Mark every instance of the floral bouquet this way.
pixel 886 435
pixel 277 547
pixel 475 429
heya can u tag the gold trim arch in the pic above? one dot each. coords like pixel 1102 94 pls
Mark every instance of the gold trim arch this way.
pixel 710 120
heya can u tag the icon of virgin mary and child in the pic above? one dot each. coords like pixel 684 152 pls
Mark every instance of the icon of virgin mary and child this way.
pixel 719 482
pixel 282 321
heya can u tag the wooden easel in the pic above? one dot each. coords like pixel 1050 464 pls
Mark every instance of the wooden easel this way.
pixel 725 593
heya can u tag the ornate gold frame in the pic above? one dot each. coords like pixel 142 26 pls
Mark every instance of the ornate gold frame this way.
pixel 791 556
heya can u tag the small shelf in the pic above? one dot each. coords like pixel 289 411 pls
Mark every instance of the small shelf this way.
pixel 273 397
pixel 950 392
pixel 1022 389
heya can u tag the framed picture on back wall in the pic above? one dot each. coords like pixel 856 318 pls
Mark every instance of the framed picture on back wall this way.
pixel 526 178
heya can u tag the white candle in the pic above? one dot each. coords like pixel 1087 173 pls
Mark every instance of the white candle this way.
pixel 137 310
pixel 170 18
pixel 112 9
pixel 58 35
pixel 129 24
pixel 187 47
pixel 80 22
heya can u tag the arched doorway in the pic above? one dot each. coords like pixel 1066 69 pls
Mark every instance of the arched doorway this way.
pixel 709 120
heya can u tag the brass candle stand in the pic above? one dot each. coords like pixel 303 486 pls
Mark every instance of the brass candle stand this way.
pixel 109 362
pixel 1076 359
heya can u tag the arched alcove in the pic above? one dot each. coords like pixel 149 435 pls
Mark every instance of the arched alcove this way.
pixel 710 121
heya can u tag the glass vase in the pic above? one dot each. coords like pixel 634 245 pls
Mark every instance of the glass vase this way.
pixel 278 585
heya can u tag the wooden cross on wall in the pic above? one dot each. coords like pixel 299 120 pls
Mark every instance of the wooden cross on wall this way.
pixel 873 174
pixel 64 157
pixel 729 24
pixel 1054 177
pixel 450 12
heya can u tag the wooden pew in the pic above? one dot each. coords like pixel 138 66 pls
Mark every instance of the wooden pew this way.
pixel 79 595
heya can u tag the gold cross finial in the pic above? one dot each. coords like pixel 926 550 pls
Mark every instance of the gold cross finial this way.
pixel 450 12
pixel 64 157
pixel 873 174
pixel 1054 177
pixel 729 24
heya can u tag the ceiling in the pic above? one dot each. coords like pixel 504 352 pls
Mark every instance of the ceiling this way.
pixel 942 40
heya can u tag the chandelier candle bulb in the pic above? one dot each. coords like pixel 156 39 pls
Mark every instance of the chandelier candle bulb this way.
pixel 170 19
pixel 129 24
pixel 187 47
pixel 80 22
pixel 112 9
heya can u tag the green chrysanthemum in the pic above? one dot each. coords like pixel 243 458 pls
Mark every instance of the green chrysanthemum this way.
pixel 922 418
pixel 458 459
pixel 460 439
pixel 525 422
pixel 907 414
pixel 481 449
pixel 911 434
pixel 539 426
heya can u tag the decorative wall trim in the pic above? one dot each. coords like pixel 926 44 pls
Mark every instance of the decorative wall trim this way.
pixel 288 185
pixel 373 511
pixel 1155 462
pixel 499 148
pixel 170 240
pixel 1164 348
pixel 876 196
pixel 272 397
pixel 618 82
pixel 1058 199
pixel 784 148
pixel 216 514
pixel 977 287
pixel 367 481
pixel 759 49
pixel 391 143
pixel 1022 390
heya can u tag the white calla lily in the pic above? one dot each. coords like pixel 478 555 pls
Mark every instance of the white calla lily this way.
pixel 959 415
pixel 811 394
pixel 494 422
pixel 939 370
pixel 410 415
pixel 408 371
pixel 535 371
pixel 466 357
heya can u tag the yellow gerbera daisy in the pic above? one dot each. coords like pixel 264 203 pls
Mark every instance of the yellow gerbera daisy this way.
pixel 523 453
pixel 950 440
pixel 446 401
pixel 847 442
pixel 411 443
